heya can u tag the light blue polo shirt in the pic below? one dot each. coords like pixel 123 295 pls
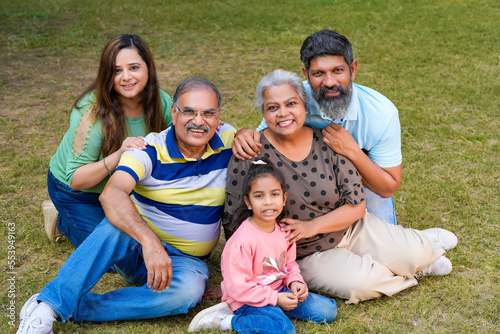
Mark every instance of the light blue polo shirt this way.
pixel 372 120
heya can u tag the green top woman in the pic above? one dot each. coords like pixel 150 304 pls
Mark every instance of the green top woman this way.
pixel 111 116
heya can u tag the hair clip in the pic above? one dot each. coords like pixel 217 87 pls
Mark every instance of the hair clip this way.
pixel 259 162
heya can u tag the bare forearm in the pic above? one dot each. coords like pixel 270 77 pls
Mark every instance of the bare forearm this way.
pixel 89 175
pixel 383 182
pixel 339 218
pixel 121 212
pixel 333 221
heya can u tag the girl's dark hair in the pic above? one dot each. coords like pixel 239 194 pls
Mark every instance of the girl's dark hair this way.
pixel 255 172
pixel 108 106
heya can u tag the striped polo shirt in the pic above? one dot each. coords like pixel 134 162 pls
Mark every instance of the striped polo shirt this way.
pixel 181 198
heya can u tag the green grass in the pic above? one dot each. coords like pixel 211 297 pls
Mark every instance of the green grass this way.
pixel 438 61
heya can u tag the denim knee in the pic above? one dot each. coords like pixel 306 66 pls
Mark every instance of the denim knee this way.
pixel 288 328
pixel 326 311
pixel 107 230
pixel 179 302
pixel 190 277
pixel 196 284
pixel 266 319
pixel 192 296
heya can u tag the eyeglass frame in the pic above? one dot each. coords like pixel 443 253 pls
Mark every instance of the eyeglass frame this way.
pixel 192 113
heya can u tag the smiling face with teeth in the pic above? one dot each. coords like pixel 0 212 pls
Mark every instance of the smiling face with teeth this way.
pixel 266 199
pixel 283 110
pixel 131 74
pixel 193 133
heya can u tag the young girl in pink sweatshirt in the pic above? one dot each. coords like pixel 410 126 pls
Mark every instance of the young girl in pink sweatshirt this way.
pixel 262 286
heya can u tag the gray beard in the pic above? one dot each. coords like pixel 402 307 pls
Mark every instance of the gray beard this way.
pixel 333 107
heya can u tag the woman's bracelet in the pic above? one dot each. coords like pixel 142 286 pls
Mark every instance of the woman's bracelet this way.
pixel 104 162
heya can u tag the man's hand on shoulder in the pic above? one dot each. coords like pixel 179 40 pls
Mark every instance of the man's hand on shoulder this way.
pixel 246 144
pixel 382 181
pixel 339 140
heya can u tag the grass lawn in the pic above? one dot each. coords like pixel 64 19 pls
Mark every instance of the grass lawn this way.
pixel 438 61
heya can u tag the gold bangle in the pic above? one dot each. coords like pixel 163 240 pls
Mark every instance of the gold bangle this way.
pixel 104 162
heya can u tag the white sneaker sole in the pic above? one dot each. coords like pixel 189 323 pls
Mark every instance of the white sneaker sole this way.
pixel 204 312
pixel 28 307
pixel 49 219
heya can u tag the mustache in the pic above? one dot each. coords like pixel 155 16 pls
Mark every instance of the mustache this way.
pixel 203 127
pixel 335 88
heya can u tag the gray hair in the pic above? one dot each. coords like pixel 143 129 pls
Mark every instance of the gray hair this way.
pixel 278 78
pixel 193 83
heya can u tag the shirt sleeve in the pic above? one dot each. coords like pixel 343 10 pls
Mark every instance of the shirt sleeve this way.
pixel 262 126
pixel 139 163
pixel 87 137
pixel 236 263
pixel 387 152
pixel 348 181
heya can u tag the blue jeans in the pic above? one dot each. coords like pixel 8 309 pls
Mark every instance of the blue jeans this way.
pixel 79 212
pixel 68 294
pixel 382 208
pixel 272 319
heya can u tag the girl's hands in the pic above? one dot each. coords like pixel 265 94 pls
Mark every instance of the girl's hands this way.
pixel 300 290
pixel 133 142
pixel 287 301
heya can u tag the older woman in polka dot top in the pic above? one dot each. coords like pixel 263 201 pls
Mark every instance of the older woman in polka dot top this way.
pixel 341 249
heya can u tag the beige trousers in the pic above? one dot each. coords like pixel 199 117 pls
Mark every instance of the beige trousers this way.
pixel 373 259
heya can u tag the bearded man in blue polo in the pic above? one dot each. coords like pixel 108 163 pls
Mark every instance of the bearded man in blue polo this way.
pixel 357 121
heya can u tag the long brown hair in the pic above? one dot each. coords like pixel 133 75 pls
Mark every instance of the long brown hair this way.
pixel 108 106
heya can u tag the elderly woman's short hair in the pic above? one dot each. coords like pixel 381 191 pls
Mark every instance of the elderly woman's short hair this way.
pixel 278 78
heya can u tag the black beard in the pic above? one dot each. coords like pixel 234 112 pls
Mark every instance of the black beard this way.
pixel 333 107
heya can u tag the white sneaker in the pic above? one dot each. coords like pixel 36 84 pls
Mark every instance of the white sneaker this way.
pixel 34 326
pixel 441 267
pixel 28 307
pixel 210 318
pixel 441 238
pixel 50 220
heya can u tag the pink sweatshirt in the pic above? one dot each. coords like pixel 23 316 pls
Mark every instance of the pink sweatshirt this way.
pixel 256 265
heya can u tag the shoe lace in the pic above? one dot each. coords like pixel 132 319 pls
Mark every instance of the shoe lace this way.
pixel 31 327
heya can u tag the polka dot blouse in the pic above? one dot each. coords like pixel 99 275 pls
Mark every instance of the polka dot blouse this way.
pixel 320 183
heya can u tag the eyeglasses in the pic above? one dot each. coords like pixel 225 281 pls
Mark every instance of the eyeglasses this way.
pixel 191 113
